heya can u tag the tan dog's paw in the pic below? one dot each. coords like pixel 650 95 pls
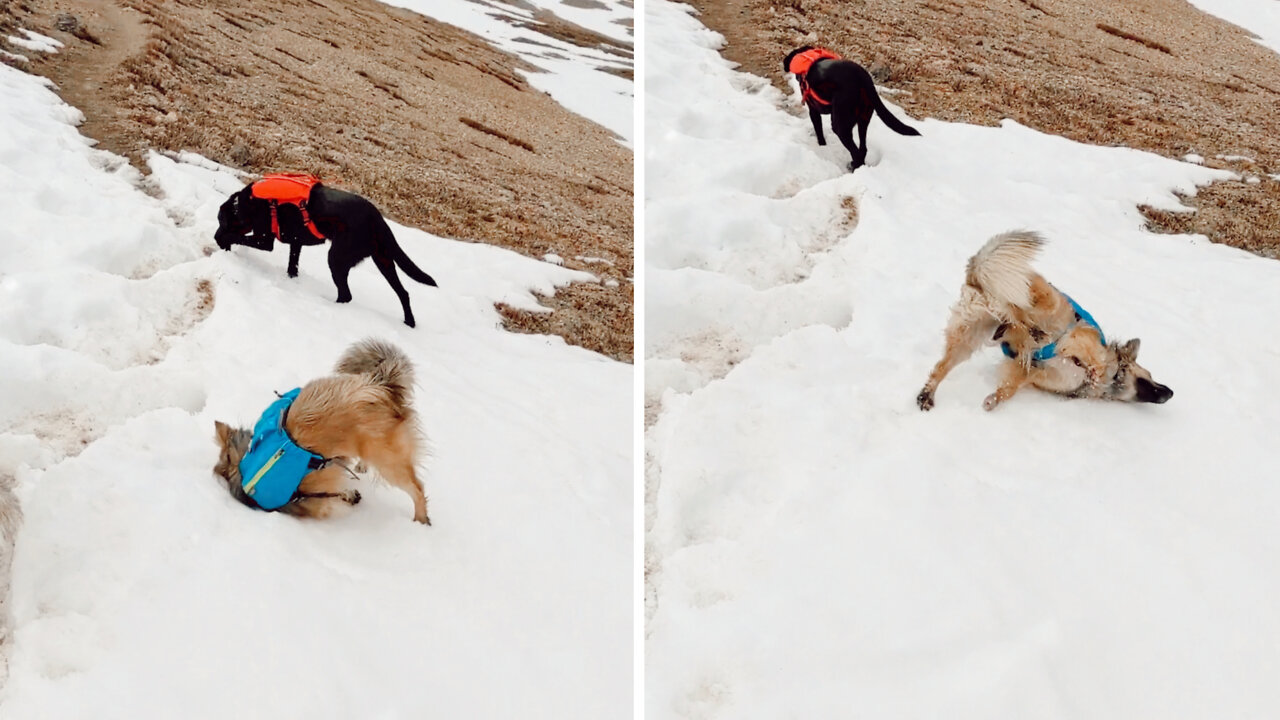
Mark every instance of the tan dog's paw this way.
pixel 925 400
pixel 991 402
pixel 1093 374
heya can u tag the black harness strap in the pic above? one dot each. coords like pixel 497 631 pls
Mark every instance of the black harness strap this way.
pixel 316 465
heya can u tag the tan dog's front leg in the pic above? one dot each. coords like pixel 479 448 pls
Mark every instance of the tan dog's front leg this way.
pixel 1015 376
pixel 1083 346
pixel 963 338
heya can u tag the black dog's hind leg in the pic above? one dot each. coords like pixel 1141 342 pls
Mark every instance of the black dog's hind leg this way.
pixel 388 270
pixel 861 159
pixel 340 267
pixel 295 251
pixel 844 130
pixel 816 117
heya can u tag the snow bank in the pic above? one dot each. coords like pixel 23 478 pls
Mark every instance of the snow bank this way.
pixel 575 76
pixel 141 589
pixel 818 547
pixel 32 40
pixel 1260 18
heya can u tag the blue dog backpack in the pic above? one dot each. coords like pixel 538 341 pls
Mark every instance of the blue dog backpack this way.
pixel 1048 352
pixel 272 470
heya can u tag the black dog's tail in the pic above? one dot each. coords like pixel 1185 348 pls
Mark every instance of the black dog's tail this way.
pixel 398 254
pixel 894 123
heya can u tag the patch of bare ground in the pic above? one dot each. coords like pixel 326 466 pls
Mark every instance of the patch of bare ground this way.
pixel 1157 75
pixel 430 122
pixel 552 25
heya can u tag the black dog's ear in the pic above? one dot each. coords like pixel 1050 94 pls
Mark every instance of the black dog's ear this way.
pixel 786 62
pixel 232 219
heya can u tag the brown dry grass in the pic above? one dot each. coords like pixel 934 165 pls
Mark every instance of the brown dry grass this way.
pixel 1157 75
pixel 435 126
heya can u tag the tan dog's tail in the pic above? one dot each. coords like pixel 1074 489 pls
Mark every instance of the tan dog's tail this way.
pixel 1002 268
pixel 385 364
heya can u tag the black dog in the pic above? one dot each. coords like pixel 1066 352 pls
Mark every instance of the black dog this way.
pixel 352 225
pixel 843 89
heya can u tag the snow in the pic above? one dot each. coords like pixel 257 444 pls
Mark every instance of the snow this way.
pixel 819 547
pixel 1260 18
pixel 35 41
pixel 1193 158
pixel 574 76
pixel 141 589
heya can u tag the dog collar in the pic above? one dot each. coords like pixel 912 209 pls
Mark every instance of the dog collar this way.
pixel 1048 352
pixel 273 468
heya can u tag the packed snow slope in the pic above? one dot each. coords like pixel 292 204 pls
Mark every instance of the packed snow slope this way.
pixel 584 80
pixel 1260 18
pixel 819 547
pixel 142 590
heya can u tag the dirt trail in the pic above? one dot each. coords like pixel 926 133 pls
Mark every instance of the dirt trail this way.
pixel 434 125
pixel 1158 75
pixel 87 68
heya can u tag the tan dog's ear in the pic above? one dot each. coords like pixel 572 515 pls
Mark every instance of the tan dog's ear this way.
pixel 1129 351
pixel 223 432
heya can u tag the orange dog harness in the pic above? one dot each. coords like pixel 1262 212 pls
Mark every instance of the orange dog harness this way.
pixel 800 65
pixel 292 189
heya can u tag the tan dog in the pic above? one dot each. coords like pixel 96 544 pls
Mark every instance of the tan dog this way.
pixel 364 412
pixel 1052 343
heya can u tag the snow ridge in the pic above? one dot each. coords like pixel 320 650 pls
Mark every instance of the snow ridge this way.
pixel 818 547
pixel 124 333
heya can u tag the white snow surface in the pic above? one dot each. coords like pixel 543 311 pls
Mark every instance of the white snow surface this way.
pixel 1260 17
pixel 32 40
pixel 574 76
pixel 818 547
pixel 141 589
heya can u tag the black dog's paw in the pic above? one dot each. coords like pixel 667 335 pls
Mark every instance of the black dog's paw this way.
pixel 292 272
pixel 344 298
pixel 223 244
pixel 822 141
pixel 925 400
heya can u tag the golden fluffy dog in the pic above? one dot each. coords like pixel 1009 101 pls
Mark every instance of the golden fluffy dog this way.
pixel 1051 342
pixel 361 412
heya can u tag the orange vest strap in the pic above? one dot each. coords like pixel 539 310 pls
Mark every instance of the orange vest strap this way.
pixel 800 65
pixel 291 188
